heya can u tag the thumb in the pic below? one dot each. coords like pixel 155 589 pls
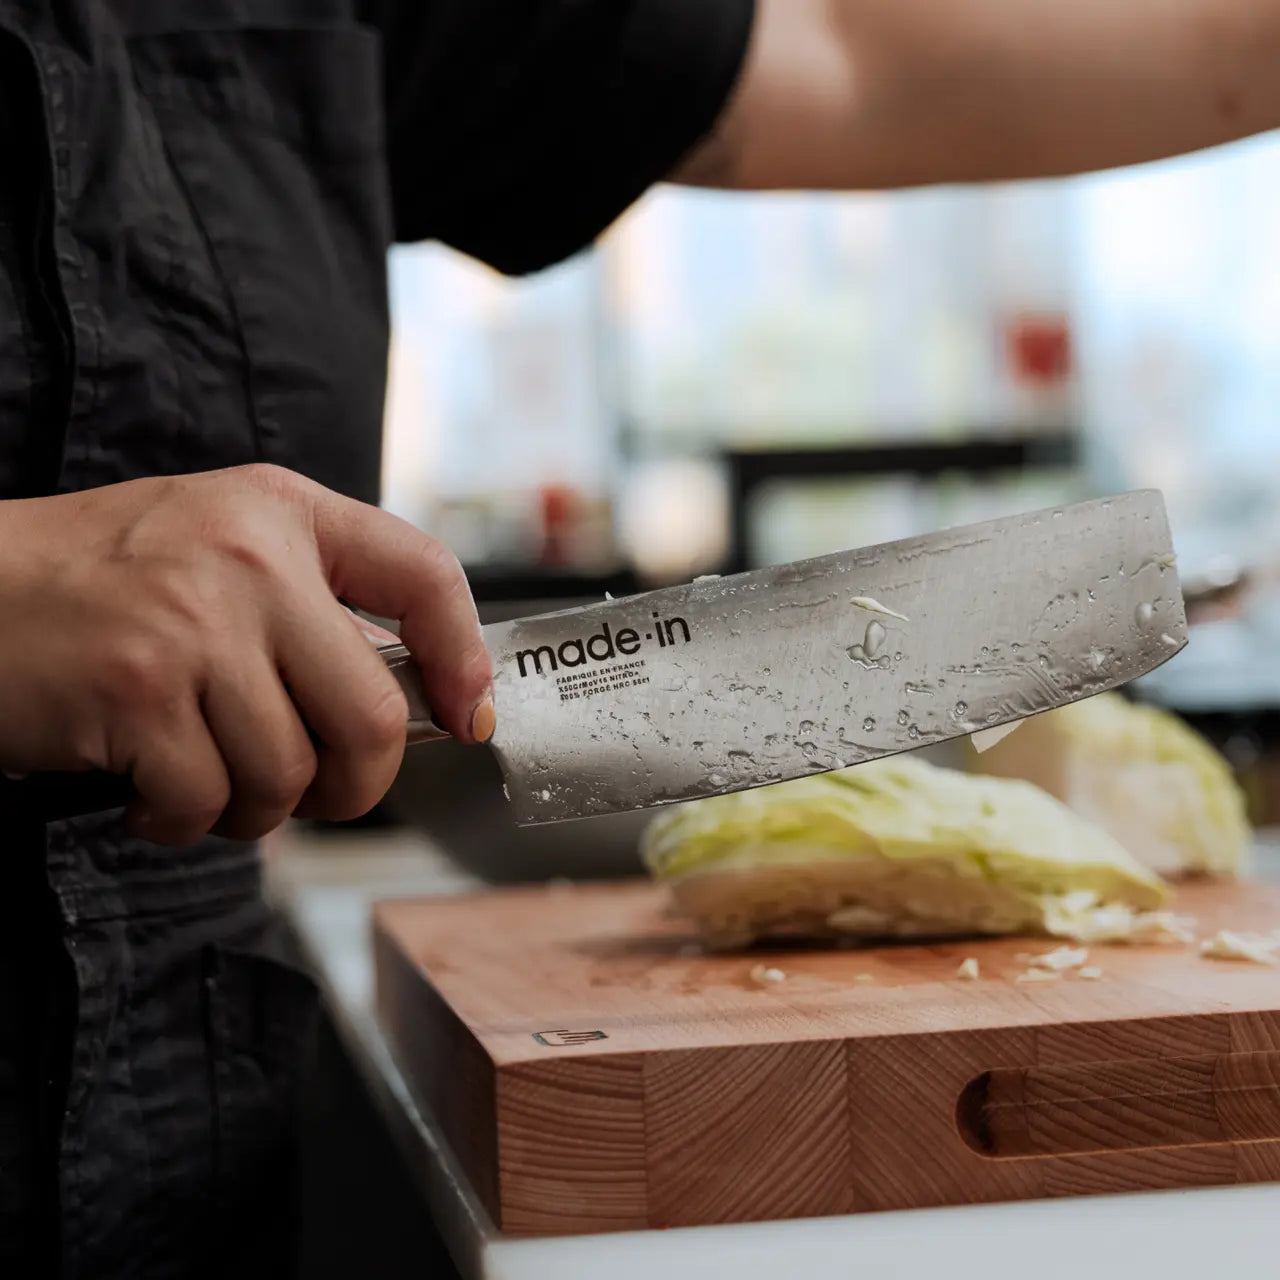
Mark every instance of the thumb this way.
pixel 383 564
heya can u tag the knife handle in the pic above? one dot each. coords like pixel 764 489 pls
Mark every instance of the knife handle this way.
pixel 422 726
pixel 52 797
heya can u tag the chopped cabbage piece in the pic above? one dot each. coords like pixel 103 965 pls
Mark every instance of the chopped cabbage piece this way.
pixel 1230 945
pixel 1060 959
pixel 874 606
pixel 891 848
pixel 1082 918
pixel 985 739
pixel 1139 772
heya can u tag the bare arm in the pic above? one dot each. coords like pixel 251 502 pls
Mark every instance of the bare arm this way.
pixel 846 94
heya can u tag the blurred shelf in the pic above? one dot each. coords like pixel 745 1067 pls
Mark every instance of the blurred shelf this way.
pixel 975 456
pixel 511 584
pixel 749 470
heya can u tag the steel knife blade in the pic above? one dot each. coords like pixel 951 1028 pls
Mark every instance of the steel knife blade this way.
pixel 731 683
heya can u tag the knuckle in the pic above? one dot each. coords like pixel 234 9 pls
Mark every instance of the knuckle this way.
pixel 359 770
pixel 270 477
pixel 280 486
pixel 256 525
pixel 138 671
pixel 476 668
pixel 242 540
pixel 91 747
pixel 195 805
pixel 445 569
pixel 182 814
pixel 189 605
pixel 380 723
pixel 181 827
pixel 294 775
pixel 207 802
pixel 354 798
pixel 279 787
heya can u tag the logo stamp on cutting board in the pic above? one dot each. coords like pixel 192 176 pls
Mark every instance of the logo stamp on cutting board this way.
pixel 562 1039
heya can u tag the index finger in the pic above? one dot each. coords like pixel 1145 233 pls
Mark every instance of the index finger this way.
pixel 383 564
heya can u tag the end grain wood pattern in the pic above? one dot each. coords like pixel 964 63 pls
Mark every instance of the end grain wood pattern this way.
pixel 592 1075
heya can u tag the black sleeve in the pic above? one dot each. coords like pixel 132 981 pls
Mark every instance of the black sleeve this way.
pixel 518 130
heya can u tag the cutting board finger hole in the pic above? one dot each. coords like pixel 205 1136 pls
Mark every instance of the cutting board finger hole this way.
pixel 1124 1105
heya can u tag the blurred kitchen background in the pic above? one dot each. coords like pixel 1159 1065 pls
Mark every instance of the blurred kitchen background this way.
pixel 730 381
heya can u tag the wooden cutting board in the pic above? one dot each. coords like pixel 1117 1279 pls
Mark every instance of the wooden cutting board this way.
pixel 591 1075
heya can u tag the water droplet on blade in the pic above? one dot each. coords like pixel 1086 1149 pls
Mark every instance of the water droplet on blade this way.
pixel 903 717
pixel 868 651
pixel 960 710
pixel 868 724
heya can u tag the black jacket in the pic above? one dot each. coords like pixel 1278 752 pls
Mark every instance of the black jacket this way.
pixel 196 201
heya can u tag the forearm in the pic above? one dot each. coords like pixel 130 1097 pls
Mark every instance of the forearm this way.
pixel 890 93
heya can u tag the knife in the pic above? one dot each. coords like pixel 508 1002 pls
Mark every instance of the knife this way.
pixel 725 684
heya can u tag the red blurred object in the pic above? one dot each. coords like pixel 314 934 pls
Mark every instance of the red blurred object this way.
pixel 558 505
pixel 1039 348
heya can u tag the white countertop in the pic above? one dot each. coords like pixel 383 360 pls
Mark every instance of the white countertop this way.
pixel 326 886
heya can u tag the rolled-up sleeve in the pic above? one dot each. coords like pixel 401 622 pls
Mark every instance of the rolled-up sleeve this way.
pixel 518 130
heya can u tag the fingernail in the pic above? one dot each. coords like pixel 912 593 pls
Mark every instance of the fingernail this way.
pixel 379 635
pixel 373 632
pixel 483 719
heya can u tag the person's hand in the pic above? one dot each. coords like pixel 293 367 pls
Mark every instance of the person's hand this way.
pixel 187 632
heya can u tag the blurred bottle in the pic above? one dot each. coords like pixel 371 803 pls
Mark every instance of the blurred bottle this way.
pixel 1032 260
